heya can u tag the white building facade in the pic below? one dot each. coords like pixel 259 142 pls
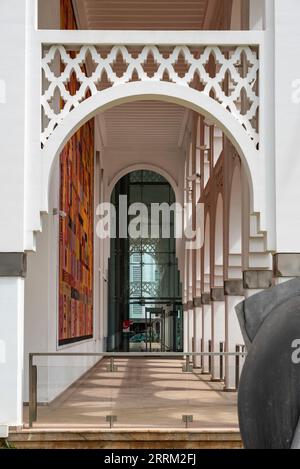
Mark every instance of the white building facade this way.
pixel 214 109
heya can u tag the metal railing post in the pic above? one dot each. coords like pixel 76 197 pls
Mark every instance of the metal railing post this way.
pixel 111 368
pixel 201 348
pixel 188 367
pixel 240 352
pixel 221 361
pixel 32 391
pixel 237 367
pixel 209 358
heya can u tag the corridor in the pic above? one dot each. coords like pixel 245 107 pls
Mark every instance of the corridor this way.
pixel 142 393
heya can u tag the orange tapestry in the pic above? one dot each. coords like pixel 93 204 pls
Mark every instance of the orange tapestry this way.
pixel 76 229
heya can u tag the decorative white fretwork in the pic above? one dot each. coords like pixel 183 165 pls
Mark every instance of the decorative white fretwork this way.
pixel 227 74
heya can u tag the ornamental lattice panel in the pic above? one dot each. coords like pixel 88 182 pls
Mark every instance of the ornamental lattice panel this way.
pixel 229 75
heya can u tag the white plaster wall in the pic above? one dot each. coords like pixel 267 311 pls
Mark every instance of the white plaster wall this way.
pixel 287 124
pixel 41 285
pixel 41 307
pixel 171 161
pixel 11 350
pixel 12 124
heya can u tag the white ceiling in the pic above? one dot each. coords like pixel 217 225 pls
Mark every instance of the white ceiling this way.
pixel 142 14
pixel 145 124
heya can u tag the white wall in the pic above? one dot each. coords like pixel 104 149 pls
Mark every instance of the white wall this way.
pixel 171 161
pixel 41 308
pixel 287 124
pixel 12 124
pixel 11 350
pixel 12 191
pixel 41 285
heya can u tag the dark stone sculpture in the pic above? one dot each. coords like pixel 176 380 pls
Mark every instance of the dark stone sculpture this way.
pixel 269 391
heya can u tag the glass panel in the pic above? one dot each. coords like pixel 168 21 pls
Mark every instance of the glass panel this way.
pixel 151 392
pixel 151 260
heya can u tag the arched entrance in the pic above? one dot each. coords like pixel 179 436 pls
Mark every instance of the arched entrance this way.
pixel 144 289
pixel 178 95
pixel 168 92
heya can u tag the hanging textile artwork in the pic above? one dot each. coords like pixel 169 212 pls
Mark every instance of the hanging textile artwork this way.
pixel 76 228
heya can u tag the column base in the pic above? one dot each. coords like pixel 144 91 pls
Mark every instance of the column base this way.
pixel 229 390
pixel 3 431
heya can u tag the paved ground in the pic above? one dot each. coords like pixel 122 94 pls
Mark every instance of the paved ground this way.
pixel 143 393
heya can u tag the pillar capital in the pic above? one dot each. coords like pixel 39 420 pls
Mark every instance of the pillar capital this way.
pixel 13 264
pixel 205 299
pixel 257 279
pixel 217 294
pixel 190 305
pixel 286 264
pixel 197 302
pixel 234 287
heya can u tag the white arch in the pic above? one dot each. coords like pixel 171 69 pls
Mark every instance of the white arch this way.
pixel 145 167
pixel 164 91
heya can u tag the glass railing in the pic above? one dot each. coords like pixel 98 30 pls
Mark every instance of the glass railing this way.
pixel 133 390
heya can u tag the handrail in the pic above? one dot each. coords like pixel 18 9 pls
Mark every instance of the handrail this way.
pixel 133 354
pixel 111 355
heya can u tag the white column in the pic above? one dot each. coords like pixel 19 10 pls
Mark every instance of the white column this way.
pixel 12 124
pixel 11 350
pixel 218 335
pixel 233 337
pixel 167 328
pixel 185 331
pixel 191 329
pixel 197 335
pixel 206 335
pixel 14 80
